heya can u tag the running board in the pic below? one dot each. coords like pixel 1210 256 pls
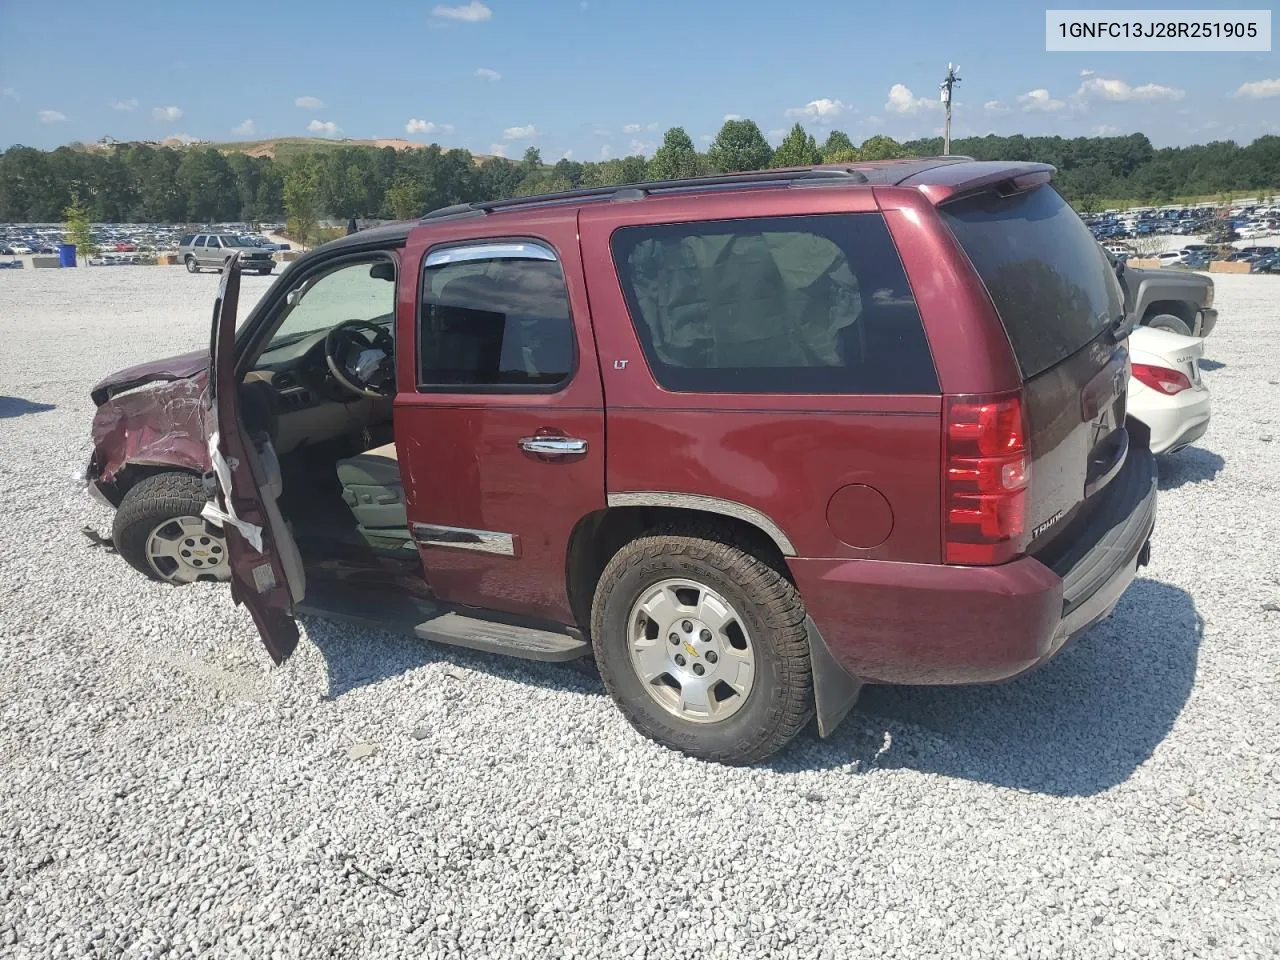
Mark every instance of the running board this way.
pixel 494 637
pixel 435 622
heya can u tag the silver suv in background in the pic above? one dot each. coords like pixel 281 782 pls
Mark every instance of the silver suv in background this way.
pixel 200 250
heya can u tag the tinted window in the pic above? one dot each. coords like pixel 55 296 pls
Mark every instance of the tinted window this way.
pixel 494 323
pixel 200 241
pixel 1052 286
pixel 780 305
pixel 186 241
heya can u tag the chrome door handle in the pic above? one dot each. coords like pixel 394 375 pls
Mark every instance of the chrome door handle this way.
pixel 553 446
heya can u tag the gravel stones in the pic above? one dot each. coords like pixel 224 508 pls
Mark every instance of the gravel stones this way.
pixel 165 792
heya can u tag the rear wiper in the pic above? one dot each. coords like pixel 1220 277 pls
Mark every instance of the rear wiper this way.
pixel 1120 328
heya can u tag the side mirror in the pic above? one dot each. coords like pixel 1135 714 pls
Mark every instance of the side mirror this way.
pixel 1119 267
pixel 383 270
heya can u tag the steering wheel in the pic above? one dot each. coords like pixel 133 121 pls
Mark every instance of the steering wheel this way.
pixel 362 364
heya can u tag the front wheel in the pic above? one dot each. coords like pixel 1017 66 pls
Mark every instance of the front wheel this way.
pixel 192 267
pixel 703 646
pixel 159 531
pixel 1167 321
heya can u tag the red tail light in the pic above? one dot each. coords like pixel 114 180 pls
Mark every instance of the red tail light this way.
pixel 987 474
pixel 1161 378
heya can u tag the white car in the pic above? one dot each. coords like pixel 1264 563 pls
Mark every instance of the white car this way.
pixel 1170 257
pixel 1165 390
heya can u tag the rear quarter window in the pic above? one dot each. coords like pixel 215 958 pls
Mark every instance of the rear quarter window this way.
pixel 1051 283
pixel 816 304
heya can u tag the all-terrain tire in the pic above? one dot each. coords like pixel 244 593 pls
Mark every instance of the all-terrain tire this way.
pixel 780 701
pixel 149 503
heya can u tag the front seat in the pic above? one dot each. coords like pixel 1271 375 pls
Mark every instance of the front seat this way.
pixel 371 488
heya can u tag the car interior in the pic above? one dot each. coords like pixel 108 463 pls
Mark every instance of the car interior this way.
pixel 320 389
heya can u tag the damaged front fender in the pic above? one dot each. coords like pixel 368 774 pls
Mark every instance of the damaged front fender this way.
pixel 155 424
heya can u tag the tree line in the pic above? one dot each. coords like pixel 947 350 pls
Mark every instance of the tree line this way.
pixel 145 183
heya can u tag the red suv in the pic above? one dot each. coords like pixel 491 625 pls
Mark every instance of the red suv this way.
pixel 751 440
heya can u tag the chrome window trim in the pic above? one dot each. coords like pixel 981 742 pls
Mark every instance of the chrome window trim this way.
pixel 523 250
pixel 690 501
pixel 462 538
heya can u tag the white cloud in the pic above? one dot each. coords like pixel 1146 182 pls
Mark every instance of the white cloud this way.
pixel 11 93
pixel 732 116
pixel 902 100
pixel 309 103
pixel 823 110
pixel 606 151
pixel 1259 88
pixel 520 133
pixel 642 147
pixel 484 73
pixel 995 106
pixel 130 104
pixel 652 127
pixel 1086 73
pixel 567 155
pixel 631 128
pixel 1105 130
pixel 166 114
pixel 1118 90
pixel 52 116
pixel 498 149
pixel 1039 101
pixel 246 129
pixel 427 126
pixel 326 127
pixel 473 12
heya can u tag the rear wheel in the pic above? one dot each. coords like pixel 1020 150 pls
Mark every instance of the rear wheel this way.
pixel 192 267
pixel 703 646
pixel 159 531
pixel 1167 321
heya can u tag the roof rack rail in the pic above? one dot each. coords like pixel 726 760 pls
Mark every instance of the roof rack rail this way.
pixel 638 191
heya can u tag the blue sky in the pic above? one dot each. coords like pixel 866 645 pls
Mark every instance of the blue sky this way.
pixel 595 77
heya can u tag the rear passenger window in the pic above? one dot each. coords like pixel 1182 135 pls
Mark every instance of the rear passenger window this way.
pixel 200 241
pixel 494 317
pixel 781 305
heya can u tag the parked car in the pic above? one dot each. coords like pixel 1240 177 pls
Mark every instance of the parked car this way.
pixel 1166 392
pixel 1170 258
pixel 824 409
pixel 213 250
pixel 1268 263
pixel 1177 301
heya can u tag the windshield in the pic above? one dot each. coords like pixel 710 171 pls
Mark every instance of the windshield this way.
pixel 349 292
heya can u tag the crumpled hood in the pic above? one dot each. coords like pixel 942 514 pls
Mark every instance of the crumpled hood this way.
pixel 173 368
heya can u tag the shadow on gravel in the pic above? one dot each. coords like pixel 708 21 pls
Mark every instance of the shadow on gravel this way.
pixel 17 407
pixel 1189 465
pixel 1081 724
pixel 359 657
pixel 1211 364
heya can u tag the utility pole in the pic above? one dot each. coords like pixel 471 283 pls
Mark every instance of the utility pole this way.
pixel 953 77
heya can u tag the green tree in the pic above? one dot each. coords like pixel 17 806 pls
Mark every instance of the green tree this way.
pixel 301 199
pixel 838 148
pixel 798 149
pixel 406 199
pixel 675 159
pixel 740 146
pixel 77 229
pixel 881 148
pixel 204 176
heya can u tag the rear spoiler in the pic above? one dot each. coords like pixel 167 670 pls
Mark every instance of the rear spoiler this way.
pixel 941 184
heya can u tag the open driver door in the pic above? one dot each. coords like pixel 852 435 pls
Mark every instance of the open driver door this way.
pixel 266 569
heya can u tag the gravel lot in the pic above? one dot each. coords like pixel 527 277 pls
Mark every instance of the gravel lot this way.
pixel 165 792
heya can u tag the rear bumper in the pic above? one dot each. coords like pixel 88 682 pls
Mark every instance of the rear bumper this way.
pixel 887 622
